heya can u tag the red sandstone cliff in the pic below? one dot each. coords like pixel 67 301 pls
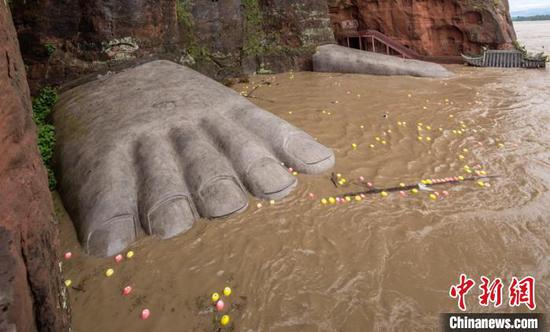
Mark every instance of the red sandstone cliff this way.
pixel 29 275
pixel 432 27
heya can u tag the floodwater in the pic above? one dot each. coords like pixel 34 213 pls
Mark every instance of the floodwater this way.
pixel 379 264
pixel 534 34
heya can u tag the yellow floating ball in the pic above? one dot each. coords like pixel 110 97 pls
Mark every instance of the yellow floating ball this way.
pixel 68 282
pixel 433 197
pixel 358 198
pixel 215 297
pixel 414 191
pixel 348 199
pixel 371 146
pixel 225 320
pixel 481 184
pixel 401 184
pixel 353 145
pixel 383 142
pixel 428 138
pixel 331 200
pixel 460 177
pixel 384 194
pixel 227 291
pixel 109 272
pixel 324 201
pixel 130 254
pixel 461 157
pixel 420 138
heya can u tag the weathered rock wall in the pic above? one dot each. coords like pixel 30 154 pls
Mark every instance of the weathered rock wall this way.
pixel 29 274
pixel 63 40
pixel 432 27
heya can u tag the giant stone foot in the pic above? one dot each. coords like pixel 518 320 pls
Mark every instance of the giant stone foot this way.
pixel 340 59
pixel 151 149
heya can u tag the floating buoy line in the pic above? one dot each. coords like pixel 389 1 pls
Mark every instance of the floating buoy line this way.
pixel 424 185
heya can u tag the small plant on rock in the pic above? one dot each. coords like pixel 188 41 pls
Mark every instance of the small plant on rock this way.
pixel 50 48
pixel 41 109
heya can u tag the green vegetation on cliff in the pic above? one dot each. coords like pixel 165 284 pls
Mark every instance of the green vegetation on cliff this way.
pixel 41 109
pixel 183 14
pixel 195 51
pixel 254 34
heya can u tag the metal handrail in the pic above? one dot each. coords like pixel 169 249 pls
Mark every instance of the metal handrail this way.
pixel 386 41
pixel 390 43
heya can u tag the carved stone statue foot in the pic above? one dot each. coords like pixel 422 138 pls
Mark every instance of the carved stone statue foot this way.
pixel 340 59
pixel 151 149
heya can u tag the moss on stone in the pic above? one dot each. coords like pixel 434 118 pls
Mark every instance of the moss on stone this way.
pixel 254 43
pixel 183 14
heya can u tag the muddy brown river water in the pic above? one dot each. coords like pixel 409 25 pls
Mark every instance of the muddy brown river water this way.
pixel 379 264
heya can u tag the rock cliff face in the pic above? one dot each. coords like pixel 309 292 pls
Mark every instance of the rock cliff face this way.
pixel 29 275
pixel 432 27
pixel 62 40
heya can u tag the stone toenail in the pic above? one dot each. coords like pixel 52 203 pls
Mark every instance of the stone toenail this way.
pixel 268 179
pixel 307 150
pixel 222 196
pixel 113 236
pixel 171 217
